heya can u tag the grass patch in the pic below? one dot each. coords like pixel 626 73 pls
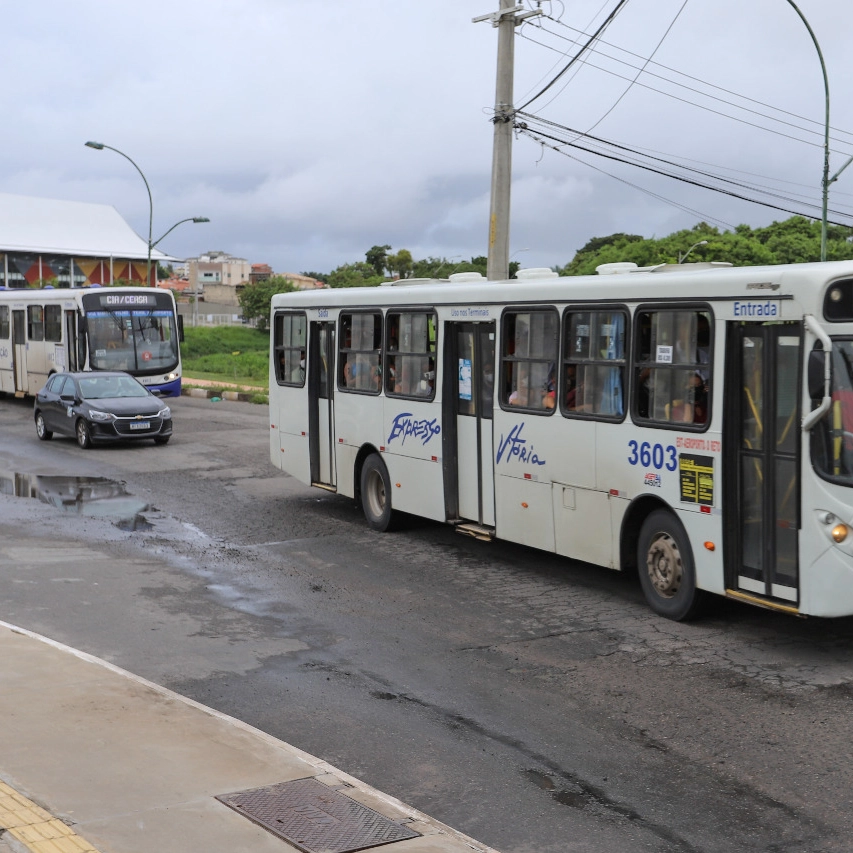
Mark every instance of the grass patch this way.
pixel 233 355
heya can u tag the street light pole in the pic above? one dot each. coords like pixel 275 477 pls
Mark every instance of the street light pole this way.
pixel 99 146
pixel 825 182
pixel 683 258
pixel 181 222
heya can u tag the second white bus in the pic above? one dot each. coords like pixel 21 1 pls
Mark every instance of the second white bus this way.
pixel 46 330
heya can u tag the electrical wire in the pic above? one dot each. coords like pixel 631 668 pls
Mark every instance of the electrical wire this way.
pixel 640 70
pixel 607 21
pixel 817 131
pixel 818 124
pixel 540 136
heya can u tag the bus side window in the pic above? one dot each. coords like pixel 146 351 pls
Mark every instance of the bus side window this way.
pixel 53 323
pixel 360 352
pixel 594 363
pixel 35 323
pixel 410 354
pixel 289 347
pixel 673 367
pixel 529 351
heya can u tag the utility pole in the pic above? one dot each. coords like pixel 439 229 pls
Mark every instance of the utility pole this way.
pixel 506 19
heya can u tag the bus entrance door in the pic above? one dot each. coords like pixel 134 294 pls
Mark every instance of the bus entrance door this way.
pixel 19 352
pixel 762 501
pixel 470 371
pixel 321 414
pixel 71 340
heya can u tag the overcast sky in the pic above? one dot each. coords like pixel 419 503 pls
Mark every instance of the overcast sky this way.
pixel 308 132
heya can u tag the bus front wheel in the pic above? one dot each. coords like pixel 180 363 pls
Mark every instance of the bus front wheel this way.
pixel 666 567
pixel 376 494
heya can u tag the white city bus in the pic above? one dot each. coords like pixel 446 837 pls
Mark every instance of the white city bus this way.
pixel 45 330
pixel 694 422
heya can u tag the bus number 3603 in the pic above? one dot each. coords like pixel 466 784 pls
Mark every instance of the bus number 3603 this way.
pixel 652 455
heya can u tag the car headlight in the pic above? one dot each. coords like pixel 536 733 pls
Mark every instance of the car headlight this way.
pixel 165 413
pixel 95 415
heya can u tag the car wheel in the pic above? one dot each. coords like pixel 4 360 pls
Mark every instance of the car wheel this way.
pixel 162 439
pixel 376 494
pixel 666 568
pixel 84 436
pixel 41 428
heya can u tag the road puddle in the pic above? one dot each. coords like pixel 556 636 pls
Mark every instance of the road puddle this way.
pixel 96 497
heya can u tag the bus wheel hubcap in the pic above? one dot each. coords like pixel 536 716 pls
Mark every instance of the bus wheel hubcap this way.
pixel 664 565
pixel 376 494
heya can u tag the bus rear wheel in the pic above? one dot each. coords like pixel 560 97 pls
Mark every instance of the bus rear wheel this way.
pixel 666 567
pixel 376 494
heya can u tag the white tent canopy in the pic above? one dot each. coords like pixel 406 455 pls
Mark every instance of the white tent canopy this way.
pixel 47 226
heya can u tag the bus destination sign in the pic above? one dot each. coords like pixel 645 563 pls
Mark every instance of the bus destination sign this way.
pixel 127 300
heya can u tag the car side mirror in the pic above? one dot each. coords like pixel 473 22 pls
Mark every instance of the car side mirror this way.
pixel 69 399
pixel 816 374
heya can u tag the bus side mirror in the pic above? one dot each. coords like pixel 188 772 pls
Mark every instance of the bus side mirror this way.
pixel 181 328
pixel 816 366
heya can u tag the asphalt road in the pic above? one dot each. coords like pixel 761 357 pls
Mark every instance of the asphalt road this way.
pixel 531 702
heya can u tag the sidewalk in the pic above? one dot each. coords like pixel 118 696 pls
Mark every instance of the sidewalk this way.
pixel 94 759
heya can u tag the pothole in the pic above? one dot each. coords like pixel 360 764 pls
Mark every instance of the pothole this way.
pixel 96 497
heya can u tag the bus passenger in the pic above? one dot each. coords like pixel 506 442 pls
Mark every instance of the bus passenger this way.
pixel 549 396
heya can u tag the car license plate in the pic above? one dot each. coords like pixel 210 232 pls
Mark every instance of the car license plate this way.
pixel 140 425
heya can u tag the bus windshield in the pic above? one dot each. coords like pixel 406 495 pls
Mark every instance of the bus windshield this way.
pixel 832 440
pixel 138 341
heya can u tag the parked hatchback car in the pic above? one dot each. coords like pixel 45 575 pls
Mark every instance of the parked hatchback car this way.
pixel 100 407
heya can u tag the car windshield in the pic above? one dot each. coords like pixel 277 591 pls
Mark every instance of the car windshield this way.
pixel 110 387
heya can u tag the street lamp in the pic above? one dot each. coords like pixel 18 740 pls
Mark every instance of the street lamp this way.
pixel 181 222
pixel 99 146
pixel 825 181
pixel 683 258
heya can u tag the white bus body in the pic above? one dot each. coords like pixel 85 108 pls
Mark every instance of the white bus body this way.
pixel 693 422
pixel 43 331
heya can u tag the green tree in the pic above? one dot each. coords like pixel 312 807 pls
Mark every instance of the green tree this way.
pixel 794 240
pixel 358 274
pixel 377 257
pixel 320 276
pixel 400 263
pixel 255 298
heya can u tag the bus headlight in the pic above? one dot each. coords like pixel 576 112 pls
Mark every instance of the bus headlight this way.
pixel 169 377
pixel 839 532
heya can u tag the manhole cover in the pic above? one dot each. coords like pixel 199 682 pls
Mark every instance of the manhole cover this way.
pixel 316 818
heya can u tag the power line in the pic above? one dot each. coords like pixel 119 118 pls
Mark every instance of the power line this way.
pixel 607 21
pixel 649 61
pixel 540 135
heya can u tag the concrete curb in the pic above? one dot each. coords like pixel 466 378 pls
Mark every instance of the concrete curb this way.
pixel 161 715
pixel 211 393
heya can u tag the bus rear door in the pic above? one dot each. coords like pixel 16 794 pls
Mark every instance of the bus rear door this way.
pixel 321 414
pixel 469 401
pixel 761 447
pixel 19 351
pixel 71 340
